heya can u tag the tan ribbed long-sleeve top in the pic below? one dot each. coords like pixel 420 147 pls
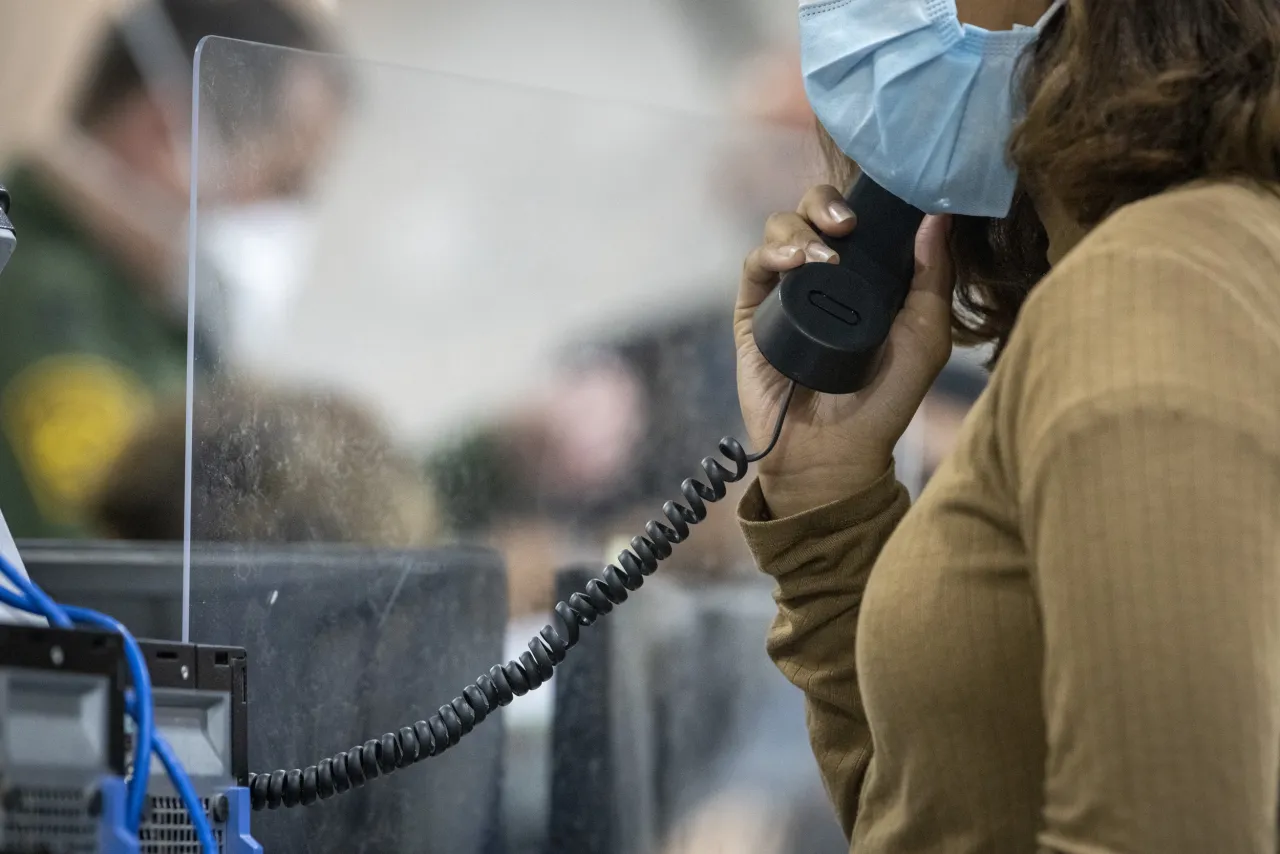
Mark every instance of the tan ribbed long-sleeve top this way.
pixel 1071 643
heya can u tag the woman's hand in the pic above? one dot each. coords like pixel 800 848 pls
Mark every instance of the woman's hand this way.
pixel 835 446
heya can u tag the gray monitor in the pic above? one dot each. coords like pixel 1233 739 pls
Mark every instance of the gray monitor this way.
pixel 140 584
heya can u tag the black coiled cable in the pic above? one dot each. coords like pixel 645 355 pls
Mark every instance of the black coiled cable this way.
pixel 503 683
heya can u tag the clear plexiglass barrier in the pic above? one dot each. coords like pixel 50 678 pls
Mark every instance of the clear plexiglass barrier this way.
pixel 453 344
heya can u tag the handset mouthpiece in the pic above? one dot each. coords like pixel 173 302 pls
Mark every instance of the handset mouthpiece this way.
pixel 826 324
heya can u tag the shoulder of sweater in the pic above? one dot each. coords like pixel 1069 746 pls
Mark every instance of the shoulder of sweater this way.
pixel 1172 305
pixel 1224 235
pixel 1201 263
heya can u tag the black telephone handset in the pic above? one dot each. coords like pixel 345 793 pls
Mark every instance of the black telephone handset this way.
pixel 825 325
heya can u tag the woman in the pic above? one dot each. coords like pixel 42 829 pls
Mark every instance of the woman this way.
pixel 1071 643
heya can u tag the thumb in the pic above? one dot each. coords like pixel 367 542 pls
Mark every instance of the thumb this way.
pixel 927 311
pixel 920 340
pixel 934 271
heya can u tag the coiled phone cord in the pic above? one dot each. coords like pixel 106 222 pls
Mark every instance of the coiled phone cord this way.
pixel 503 683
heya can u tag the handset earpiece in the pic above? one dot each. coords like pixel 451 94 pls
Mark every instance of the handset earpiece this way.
pixel 825 325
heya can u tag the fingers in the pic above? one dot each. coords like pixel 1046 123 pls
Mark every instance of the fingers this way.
pixel 825 207
pixel 821 211
pixel 790 240
pixel 761 270
pixel 791 229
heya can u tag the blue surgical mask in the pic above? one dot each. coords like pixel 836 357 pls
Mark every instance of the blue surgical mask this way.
pixel 924 104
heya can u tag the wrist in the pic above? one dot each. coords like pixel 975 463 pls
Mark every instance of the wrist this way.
pixel 792 493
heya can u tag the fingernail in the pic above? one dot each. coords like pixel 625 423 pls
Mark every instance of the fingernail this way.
pixel 786 253
pixel 839 211
pixel 816 251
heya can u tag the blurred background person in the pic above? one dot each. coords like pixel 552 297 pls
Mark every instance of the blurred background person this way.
pixel 93 311
pixel 274 466
pixel 593 454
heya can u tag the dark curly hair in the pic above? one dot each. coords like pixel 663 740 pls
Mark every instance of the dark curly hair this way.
pixel 1125 99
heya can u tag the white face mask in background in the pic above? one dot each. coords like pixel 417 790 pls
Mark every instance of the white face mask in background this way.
pixel 261 252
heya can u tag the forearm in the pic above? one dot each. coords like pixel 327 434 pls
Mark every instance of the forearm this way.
pixel 821 561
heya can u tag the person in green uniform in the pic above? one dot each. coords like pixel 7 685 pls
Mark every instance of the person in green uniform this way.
pixel 93 330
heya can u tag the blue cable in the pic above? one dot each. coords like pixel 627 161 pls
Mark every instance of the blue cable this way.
pixel 138 703
pixel 40 603
pixel 143 713
pixel 186 791
pixel 137 790
pixel 63 618
pixel 16 600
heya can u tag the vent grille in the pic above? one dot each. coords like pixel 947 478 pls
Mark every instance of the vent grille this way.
pixel 50 818
pixel 168 829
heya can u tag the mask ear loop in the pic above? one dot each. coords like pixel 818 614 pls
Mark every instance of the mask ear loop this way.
pixel 1049 13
